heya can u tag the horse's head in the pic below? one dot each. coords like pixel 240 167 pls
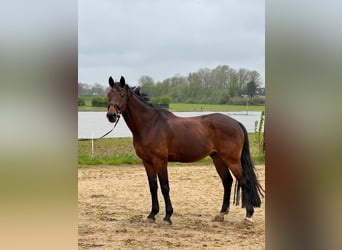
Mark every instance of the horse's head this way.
pixel 117 99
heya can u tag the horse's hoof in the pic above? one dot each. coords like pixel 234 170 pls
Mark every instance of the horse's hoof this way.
pixel 219 217
pixel 166 222
pixel 248 221
pixel 150 220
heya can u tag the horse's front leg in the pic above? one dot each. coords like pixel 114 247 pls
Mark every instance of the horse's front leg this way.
pixel 161 167
pixel 152 181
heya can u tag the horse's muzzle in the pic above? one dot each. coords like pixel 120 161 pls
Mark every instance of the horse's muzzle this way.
pixel 112 117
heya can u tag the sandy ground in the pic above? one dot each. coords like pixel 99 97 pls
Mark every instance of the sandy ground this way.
pixel 113 202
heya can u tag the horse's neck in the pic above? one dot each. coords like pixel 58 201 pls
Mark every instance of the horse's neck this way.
pixel 138 115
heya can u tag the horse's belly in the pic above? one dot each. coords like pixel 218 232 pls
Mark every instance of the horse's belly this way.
pixel 190 147
pixel 184 159
pixel 188 156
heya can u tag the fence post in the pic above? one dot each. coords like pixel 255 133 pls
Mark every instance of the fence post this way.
pixel 92 145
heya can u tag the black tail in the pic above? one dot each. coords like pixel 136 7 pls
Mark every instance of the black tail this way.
pixel 251 187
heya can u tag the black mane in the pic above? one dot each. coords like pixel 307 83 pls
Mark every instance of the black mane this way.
pixel 142 96
pixel 136 90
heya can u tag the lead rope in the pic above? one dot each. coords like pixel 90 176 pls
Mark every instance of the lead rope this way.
pixel 111 129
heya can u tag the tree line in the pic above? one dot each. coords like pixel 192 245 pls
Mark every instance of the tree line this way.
pixel 96 89
pixel 221 85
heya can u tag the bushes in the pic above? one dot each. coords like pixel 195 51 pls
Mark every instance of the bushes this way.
pixel 81 101
pixel 163 101
pixel 236 100
pixel 96 101
pixel 256 100
pixel 99 101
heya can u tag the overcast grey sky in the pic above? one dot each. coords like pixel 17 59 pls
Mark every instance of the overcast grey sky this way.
pixel 162 38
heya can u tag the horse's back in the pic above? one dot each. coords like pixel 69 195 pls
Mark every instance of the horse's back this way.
pixel 224 131
pixel 204 125
pixel 224 123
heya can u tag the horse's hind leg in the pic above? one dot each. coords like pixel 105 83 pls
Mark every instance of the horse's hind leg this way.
pixel 236 168
pixel 227 181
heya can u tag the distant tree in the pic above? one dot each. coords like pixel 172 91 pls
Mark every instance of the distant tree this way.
pixel 234 85
pixel 251 88
pixel 222 97
pixel 147 85
pixel 202 77
pixel 220 77
pixel 98 89
pixel 218 85
pixel 84 89
pixel 148 88
pixel 255 77
pixel 243 78
pixel 145 79
pixel 175 87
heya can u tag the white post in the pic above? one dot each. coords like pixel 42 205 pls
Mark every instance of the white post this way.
pixel 92 145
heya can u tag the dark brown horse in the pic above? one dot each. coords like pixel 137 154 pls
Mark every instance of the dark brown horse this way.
pixel 159 137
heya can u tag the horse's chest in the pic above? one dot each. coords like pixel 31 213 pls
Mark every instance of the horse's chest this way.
pixel 149 151
pixel 139 151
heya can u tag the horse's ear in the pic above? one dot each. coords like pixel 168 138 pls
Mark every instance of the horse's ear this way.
pixel 111 82
pixel 122 82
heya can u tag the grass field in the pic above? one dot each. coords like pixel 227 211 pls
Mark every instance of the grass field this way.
pixel 183 107
pixel 119 151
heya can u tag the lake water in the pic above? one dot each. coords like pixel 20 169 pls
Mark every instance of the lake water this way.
pixel 96 123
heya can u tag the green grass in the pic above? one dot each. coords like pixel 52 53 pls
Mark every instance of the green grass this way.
pixel 90 108
pixel 120 151
pixel 109 151
pixel 183 107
